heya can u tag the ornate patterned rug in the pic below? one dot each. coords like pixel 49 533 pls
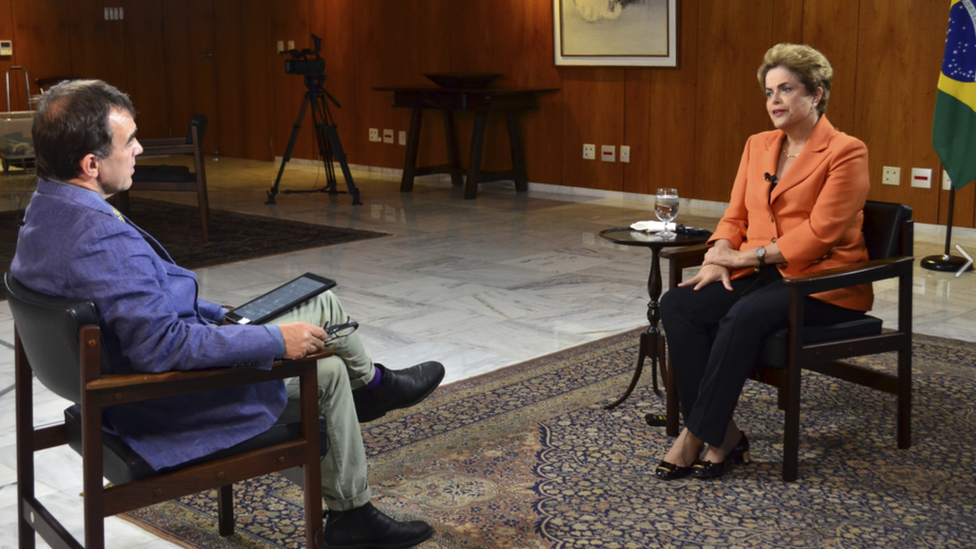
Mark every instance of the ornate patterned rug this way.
pixel 233 236
pixel 525 457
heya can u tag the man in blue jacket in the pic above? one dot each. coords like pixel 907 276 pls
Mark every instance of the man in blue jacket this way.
pixel 74 244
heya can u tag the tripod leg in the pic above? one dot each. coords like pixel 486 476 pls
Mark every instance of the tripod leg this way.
pixel 336 146
pixel 291 146
pixel 325 151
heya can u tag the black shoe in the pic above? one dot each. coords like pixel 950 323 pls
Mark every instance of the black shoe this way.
pixel 669 471
pixel 705 469
pixel 367 528
pixel 397 389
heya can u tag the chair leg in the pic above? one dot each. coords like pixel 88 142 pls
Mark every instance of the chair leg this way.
pixel 24 409
pixel 791 428
pixel 200 172
pixel 225 510
pixel 204 204
pixel 904 399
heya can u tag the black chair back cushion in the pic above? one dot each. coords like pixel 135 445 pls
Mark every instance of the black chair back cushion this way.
pixel 882 228
pixel 48 328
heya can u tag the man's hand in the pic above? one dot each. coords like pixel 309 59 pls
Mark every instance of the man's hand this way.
pixel 302 338
pixel 709 274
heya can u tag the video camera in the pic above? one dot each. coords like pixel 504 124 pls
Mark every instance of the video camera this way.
pixel 302 61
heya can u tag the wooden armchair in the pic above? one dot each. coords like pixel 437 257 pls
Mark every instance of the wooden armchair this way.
pixel 175 178
pixel 888 233
pixel 59 341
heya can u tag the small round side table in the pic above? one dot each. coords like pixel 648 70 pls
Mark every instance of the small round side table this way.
pixel 651 341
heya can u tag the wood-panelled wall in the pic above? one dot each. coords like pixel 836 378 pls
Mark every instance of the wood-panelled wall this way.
pixel 686 126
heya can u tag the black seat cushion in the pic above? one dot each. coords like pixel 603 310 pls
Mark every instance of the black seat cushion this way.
pixel 122 464
pixel 773 353
pixel 163 173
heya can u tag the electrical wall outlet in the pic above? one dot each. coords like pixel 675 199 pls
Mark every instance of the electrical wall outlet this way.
pixel 890 176
pixel 589 151
pixel 625 153
pixel 403 137
pixel 374 134
pixel 922 178
pixel 946 181
pixel 388 136
pixel 608 153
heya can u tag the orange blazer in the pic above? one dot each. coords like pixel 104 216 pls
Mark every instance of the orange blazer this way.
pixel 814 213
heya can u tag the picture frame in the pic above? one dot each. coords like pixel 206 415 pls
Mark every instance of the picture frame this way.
pixel 628 33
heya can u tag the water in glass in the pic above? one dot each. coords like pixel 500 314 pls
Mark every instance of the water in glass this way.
pixel 666 209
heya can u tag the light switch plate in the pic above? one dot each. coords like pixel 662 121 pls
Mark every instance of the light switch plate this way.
pixel 922 178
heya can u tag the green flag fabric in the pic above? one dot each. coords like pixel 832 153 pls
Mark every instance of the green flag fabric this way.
pixel 954 127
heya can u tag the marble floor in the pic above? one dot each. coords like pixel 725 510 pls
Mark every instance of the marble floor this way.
pixel 476 284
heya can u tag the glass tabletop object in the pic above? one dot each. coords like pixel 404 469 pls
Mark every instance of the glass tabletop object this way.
pixel 666 209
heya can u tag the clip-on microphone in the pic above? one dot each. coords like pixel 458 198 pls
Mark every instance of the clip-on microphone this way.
pixel 772 184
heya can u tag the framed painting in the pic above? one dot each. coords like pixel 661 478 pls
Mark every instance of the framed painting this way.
pixel 639 33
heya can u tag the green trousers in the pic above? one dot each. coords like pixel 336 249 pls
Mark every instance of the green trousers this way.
pixel 344 485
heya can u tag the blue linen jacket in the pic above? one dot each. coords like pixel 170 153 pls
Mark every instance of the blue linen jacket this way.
pixel 75 245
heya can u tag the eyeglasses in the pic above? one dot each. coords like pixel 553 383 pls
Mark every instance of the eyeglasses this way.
pixel 340 330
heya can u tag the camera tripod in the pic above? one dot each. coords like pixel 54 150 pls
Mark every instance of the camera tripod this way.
pixel 328 140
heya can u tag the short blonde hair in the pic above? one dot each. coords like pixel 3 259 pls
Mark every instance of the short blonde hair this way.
pixel 808 64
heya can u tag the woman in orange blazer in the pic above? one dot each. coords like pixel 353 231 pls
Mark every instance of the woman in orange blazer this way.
pixel 795 208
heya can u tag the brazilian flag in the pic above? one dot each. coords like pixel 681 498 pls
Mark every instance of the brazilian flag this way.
pixel 954 129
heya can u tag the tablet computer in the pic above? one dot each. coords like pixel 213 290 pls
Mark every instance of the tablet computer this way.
pixel 279 300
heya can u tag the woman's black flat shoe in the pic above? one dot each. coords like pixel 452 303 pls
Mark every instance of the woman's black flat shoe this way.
pixel 705 469
pixel 669 471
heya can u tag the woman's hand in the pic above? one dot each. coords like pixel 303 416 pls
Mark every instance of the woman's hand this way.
pixel 726 256
pixel 709 274
pixel 722 254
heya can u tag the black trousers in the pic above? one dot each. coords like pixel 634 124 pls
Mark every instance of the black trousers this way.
pixel 714 337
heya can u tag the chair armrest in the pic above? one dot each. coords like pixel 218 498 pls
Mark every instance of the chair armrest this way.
pixel 680 259
pixel 125 388
pixel 851 275
pixel 684 253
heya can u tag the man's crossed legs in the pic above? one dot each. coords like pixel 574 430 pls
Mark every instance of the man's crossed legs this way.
pixel 349 392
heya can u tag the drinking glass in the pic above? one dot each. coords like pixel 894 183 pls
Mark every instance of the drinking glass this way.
pixel 666 209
